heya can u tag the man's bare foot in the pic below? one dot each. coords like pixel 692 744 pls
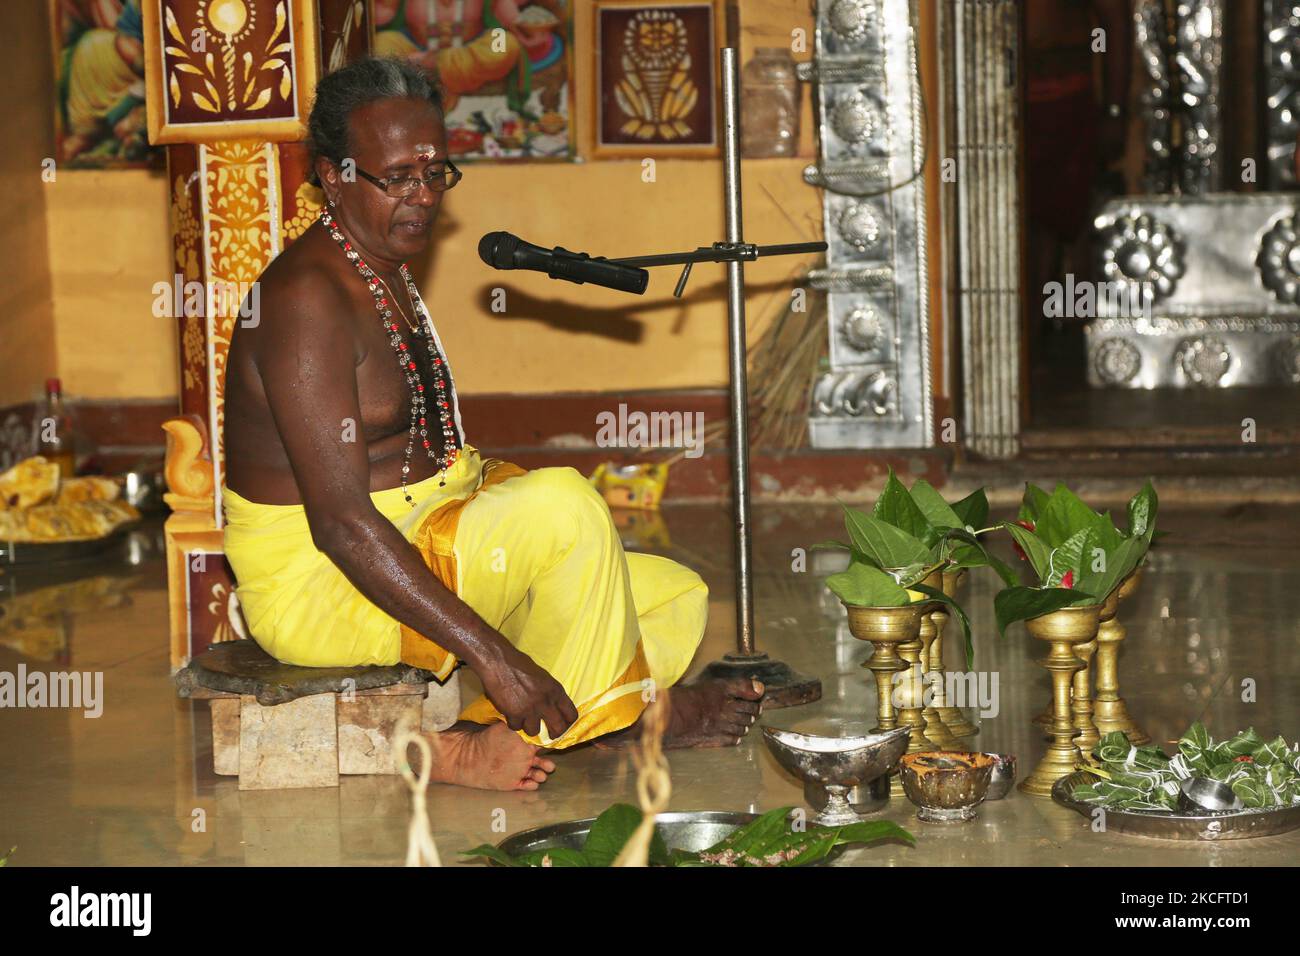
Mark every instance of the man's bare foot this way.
pixel 491 757
pixel 710 713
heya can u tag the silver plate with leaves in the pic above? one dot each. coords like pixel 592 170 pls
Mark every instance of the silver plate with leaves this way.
pixel 692 831
pixel 682 831
pixel 1173 825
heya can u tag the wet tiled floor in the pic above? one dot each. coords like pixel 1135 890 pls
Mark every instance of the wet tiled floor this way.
pixel 1213 634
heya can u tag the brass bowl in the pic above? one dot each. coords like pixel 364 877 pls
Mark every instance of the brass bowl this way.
pixel 946 786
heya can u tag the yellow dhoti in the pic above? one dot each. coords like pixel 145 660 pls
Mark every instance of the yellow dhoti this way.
pixel 535 554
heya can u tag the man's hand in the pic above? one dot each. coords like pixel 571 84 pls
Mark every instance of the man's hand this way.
pixel 526 695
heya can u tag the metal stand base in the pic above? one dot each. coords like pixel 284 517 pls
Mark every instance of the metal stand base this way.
pixel 785 687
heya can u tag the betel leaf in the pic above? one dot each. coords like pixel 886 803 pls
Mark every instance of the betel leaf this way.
pixel 1032 504
pixel 1246 742
pixel 767 827
pixel 961 616
pixel 883 544
pixel 932 504
pixel 1069 557
pixel 953 538
pixel 610 832
pixel 830 545
pixel 1275 751
pixel 815 843
pixel 973 510
pixel 1021 604
pixel 1037 553
pixel 868 831
pixel 1195 740
pixel 1142 510
pixel 896 507
pixel 908 576
pixel 493 854
pixel 1116 565
pixel 769 840
pixel 1108 536
pixel 863 585
pixel 1063 515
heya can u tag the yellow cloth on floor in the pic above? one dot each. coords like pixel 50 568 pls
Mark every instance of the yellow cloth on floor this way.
pixel 534 553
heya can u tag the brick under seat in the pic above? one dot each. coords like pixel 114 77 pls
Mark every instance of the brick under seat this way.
pixel 278 727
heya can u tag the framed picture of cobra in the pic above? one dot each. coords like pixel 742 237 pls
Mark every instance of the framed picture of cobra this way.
pixel 655 78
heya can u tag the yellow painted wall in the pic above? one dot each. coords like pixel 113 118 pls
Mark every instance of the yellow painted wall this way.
pixel 110 241
pixel 27 349
pixel 108 244
pixel 554 334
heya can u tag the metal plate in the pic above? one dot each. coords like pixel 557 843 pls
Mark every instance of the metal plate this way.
pixel 47 552
pixel 1207 825
pixel 682 831
pixel 692 831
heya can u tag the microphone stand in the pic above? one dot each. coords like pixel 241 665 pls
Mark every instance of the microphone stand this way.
pixel 785 686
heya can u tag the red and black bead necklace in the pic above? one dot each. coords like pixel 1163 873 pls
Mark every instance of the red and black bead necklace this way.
pixel 419 407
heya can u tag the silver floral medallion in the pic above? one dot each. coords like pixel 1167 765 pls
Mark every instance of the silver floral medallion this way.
pixel 851 20
pixel 862 329
pixel 1279 260
pixel 854 119
pixel 1117 361
pixel 1137 247
pixel 859 226
pixel 1204 359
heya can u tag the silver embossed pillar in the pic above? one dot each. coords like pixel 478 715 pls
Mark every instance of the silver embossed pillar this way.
pixel 1180 45
pixel 877 392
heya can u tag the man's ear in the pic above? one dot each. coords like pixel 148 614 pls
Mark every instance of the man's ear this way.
pixel 327 175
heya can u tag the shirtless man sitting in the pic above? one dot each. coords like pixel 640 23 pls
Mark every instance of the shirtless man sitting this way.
pixel 363 529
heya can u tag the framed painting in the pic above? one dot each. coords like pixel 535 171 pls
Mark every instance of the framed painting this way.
pixel 506 67
pixel 100 116
pixel 347 33
pixel 229 69
pixel 656 78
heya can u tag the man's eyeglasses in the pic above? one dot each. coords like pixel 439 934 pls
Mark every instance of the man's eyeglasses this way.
pixel 439 178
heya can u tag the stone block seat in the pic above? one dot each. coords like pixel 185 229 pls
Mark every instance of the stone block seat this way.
pixel 277 726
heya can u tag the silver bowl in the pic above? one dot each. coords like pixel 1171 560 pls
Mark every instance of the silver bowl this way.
pixel 1202 793
pixel 837 764
pixel 1004 776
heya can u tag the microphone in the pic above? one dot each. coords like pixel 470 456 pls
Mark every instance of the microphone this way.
pixel 502 250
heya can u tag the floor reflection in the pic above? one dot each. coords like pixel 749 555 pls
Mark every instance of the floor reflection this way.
pixel 1212 635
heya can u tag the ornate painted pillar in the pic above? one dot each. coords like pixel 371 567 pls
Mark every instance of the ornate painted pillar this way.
pixel 228 90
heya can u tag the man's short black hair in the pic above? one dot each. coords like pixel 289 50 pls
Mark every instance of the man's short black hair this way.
pixel 355 85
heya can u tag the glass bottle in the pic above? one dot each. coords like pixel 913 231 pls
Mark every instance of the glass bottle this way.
pixel 769 91
pixel 54 438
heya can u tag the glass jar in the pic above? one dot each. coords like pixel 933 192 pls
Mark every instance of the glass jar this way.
pixel 769 104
